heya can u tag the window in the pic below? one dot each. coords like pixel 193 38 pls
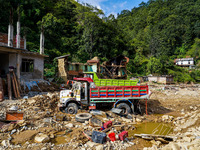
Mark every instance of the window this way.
pixel 27 65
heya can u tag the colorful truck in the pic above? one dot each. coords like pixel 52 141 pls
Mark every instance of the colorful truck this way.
pixel 110 82
pixel 85 93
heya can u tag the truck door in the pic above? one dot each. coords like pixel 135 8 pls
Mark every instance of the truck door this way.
pixel 84 93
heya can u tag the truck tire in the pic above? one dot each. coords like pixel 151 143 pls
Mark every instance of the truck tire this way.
pixel 71 108
pixel 126 108
pixel 82 117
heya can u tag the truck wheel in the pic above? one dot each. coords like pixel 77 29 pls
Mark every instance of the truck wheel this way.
pixel 71 108
pixel 125 107
pixel 82 117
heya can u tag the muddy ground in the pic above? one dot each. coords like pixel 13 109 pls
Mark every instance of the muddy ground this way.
pixel 172 110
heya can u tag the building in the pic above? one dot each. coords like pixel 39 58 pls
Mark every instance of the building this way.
pixel 185 62
pixel 161 79
pixel 27 65
pixel 68 70
pixel 115 68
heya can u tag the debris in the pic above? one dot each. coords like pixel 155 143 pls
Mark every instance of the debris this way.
pixel 41 138
pixel 82 117
pixel 107 124
pixel 112 136
pixel 98 137
pixel 96 112
pixel 14 116
pixel 95 122
pixel 91 144
pixel 123 135
pixel 117 110
pixel 152 136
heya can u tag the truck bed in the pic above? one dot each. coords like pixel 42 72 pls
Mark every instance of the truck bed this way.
pixel 111 82
pixel 119 92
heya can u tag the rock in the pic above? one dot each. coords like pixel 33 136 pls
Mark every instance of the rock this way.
pixel 5 143
pixel 91 144
pixel 41 138
pixel 187 139
pixel 69 125
pixel 99 147
pixel 126 120
pixel 138 120
pixel 47 120
pixel 13 131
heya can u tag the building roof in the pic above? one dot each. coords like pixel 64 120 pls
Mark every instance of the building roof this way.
pixel 8 49
pixel 93 60
pixel 64 56
pixel 34 53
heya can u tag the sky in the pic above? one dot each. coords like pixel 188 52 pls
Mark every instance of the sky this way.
pixel 113 6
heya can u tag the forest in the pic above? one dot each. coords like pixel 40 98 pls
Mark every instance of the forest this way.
pixel 151 35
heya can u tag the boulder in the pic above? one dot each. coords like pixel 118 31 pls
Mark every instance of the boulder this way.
pixel 41 138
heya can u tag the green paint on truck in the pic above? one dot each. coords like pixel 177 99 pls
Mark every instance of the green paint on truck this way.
pixel 110 82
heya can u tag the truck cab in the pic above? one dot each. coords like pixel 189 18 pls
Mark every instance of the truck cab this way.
pixel 77 96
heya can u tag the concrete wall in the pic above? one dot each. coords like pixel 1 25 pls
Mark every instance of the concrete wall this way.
pixel 38 72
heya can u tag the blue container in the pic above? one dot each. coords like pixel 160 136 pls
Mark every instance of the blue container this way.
pixel 98 137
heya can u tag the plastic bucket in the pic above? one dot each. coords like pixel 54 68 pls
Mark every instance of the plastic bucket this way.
pixel 112 136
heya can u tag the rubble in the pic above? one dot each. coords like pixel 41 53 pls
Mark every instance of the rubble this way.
pixel 45 127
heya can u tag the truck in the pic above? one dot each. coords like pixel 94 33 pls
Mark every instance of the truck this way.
pixel 85 94
pixel 110 82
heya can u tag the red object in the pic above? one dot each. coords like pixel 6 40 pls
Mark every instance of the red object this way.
pixel 14 116
pixel 107 124
pixel 112 136
pixel 92 107
pixel 84 79
pixel 119 91
pixel 123 135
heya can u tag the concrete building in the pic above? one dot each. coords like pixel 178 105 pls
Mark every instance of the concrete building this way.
pixel 161 79
pixel 27 65
pixel 184 62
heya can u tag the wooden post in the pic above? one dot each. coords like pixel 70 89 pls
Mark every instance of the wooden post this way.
pixel 14 87
pixel 9 87
pixel 18 34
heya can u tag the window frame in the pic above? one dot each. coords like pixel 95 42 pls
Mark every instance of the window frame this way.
pixel 28 63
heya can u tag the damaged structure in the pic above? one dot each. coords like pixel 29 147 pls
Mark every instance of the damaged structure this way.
pixel 27 65
pixel 114 68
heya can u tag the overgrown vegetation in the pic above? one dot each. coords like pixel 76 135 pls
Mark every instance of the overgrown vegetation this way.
pixel 151 35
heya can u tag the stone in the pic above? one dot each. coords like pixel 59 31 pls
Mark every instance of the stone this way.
pixel 69 125
pixel 187 139
pixel 126 120
pixel 99 147
pixel 91 144
pixel 13 131
pixel 138 120
pixel 41 138
pixel 5 143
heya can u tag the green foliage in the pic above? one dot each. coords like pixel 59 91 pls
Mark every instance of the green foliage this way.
pixel 151 35
pixel 195 49
pixel 154 66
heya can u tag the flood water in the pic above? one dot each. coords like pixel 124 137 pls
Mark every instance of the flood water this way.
pixel 152 128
